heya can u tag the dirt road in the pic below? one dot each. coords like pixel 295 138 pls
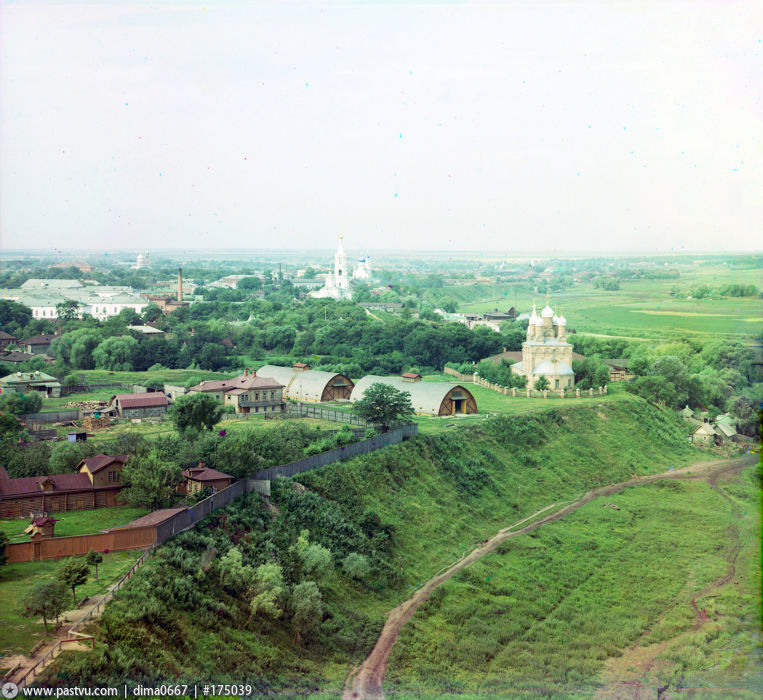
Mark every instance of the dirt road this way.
pixel 366 681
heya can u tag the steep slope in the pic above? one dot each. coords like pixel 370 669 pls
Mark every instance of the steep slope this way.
pixel 406 510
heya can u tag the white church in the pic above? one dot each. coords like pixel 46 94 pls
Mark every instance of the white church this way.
pixel 546 351
pixel 337 285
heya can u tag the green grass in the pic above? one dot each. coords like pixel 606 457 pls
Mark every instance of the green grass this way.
pixel 62 401
pixel 621 313
pixel 105 436
pixel 165 376
pixel 544 613
pixel 440 494
pixel 20 634
pixel 76 522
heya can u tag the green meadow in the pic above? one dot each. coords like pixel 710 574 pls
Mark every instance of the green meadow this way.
pixel 76 522
pixel 644 309
pixel 20 634
pixel 673 573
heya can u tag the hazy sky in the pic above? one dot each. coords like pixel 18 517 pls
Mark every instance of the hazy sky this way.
pixel 497 125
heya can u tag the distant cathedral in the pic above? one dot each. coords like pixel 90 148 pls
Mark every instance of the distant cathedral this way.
pixel 337 284
pixel 546 351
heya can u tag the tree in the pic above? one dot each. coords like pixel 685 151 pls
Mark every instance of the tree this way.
pixel 249 283
pixel 74 573
pixel 150 481
pixel 195 412
pixel 383 404
pixel 46 599
pixel 115 353
pixel 541 383
pixel 65 457
pixel 94 558
pixel 356 566
pixel 14 316
pixel 3 542
pixel 268 590
pixel 67 310
pixel 314 559
pixel 307 606
pixel 234 575
pixel 18 404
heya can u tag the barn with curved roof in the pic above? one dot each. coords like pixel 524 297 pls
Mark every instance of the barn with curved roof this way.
pixel 309 384
pixel 427 398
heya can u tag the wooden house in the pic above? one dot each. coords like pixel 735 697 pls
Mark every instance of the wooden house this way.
pixel 103 470
pixel 96 484
pixel 151 404
pixel 247 393
pixel 7 339
pixel 704 434
pixel 198 478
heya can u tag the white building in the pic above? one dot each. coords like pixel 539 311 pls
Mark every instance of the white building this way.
pixel 100 301
pixel 546 351
pixel 337 284
pixel 362 270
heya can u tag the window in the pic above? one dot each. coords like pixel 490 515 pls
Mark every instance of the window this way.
pixel 272 394
pixel 114 476
pixel 256 409
pixel 256 395
pixel 556 384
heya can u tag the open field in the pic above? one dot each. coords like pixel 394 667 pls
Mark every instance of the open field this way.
pixel 614 599
pixel 150 429
pixel 20 634
pixel 76 522
pixel 644 309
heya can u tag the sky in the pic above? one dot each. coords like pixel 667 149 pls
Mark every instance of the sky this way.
pixel 501 126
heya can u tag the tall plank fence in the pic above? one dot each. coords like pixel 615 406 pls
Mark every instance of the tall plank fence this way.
pixel 189 517
pixel 51 416
pixel 310 411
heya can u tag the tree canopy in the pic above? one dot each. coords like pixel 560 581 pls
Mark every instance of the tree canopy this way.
pixel 383 405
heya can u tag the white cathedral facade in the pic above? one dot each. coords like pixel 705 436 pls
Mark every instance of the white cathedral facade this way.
pixel 337 284
pixel 546 351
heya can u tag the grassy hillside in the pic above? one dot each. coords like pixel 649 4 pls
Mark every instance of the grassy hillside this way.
pixel 408 509
pixel 667 589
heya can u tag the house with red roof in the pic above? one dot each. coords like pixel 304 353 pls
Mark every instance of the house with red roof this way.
pixel 198 478
pixel 151 404
pixel 96 484
pixel 247 393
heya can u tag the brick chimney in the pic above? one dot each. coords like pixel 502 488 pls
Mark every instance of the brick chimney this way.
pixel 180 284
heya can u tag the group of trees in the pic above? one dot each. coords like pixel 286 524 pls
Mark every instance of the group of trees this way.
pixel 705 291
pixel 49 599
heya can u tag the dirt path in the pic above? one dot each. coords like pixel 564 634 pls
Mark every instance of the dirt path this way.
pixel 366 681
pixel 71 618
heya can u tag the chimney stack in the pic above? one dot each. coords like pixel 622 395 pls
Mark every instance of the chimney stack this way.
pixel 180 285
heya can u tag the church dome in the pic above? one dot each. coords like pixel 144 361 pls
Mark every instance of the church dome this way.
pixel 547 312
pixel 561 321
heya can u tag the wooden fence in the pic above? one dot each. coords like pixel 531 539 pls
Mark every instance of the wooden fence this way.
pixel 51 416
pixel 57 547
pixel 305 409
pixel 534 393
pixel 393 437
